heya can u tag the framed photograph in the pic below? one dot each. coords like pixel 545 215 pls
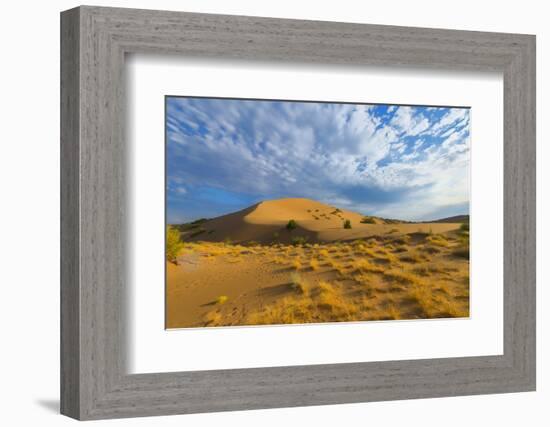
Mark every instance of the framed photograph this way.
pixel 262 213
pixel 274 235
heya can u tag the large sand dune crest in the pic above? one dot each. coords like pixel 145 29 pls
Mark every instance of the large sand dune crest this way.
pixel 265 222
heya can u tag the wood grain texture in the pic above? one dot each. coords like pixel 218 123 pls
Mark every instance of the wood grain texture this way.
pixel 70 291
pixel 94 382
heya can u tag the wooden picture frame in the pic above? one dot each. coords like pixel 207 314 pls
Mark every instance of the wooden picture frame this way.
pixel 94 382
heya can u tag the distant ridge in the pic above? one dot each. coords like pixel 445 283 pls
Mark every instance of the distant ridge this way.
pixel 453 219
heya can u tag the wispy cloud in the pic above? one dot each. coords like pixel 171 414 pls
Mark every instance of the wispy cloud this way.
pixel 395 161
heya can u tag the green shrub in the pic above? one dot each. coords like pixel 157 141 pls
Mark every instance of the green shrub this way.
pixel 465 226
pixel 299 240
pixel 174 245
pixel 462 252
pixel 291 225
pixel 347 224
pixel 368 220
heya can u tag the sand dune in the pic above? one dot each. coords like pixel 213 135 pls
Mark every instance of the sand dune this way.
pixel 266 222
pixel 247 268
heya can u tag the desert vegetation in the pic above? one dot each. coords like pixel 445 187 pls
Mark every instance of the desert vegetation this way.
pixel 299 272
pixel 174 245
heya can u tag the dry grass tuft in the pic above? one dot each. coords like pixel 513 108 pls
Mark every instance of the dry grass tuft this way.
pixel 296 264
pixel 402 240
pixel 325 287
pixel 334 264
pixel 369 252
pixel 323 253
pixel 365 266
pixel 285 311
pixel 362 278
pixel 392 312
pixel 449 308
pixel 413 257
pixel 402 277
pixel 438 240
pixel 297 283
pixel 427 270
pixel 222 299
pixel 386 257
pixel 431 249
pixel 423 297
pixel 213 318
pixel 278 260
pixel 341 269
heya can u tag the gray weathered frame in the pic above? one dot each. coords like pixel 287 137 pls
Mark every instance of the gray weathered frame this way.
pixel 94 41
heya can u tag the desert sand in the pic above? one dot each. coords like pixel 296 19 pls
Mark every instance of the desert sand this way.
pixel 248 268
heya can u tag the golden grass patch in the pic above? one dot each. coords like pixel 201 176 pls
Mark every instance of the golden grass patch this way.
pixel 222 299
pixel 392 312
pixel 413 257
pixel 298 283
pixel 341 269
pixel 438 240
pixel 323 253
pixel 423 297
pixel 296 264
pixel 402 277
pixel 278 260
pixel 430 249
pixel 314 264
pixel 366 266
pixel 379 279
pixel 286 311
pixel 443 288
pixel 402 240
pixel 369 252
pixel 386 257
pixel 428 270
pixel 213 318
pixel 362 278
pixel 449 308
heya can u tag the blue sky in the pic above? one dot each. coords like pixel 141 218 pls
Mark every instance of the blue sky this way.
pixel 401 162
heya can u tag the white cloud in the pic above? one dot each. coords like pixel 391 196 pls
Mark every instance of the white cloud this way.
pixel 454 117
pixel 408 120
